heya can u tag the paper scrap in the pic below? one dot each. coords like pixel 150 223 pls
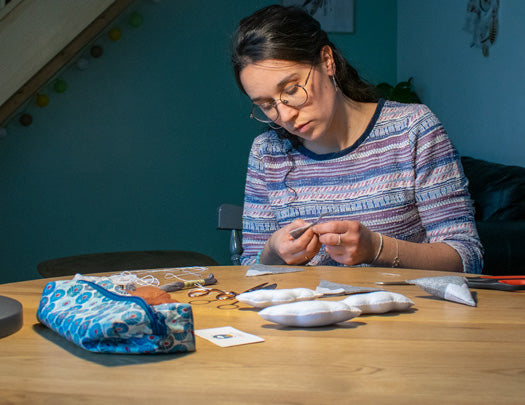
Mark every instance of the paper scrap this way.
pixel 227 336
pixel 259 269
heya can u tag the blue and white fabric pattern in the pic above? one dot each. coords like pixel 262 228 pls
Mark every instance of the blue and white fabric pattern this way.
pixel 101 317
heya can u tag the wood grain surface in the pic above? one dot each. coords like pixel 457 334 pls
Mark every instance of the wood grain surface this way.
pixel 439 352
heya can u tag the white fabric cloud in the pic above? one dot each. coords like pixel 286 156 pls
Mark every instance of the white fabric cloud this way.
pixel 310 313
pixel 379 302
pixel 265 298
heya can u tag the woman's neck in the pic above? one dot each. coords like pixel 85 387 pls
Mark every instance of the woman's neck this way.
pixel 349 122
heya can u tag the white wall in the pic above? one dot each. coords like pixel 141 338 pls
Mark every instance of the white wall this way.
pixel 480 100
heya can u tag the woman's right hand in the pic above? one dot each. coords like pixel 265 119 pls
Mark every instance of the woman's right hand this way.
pixel 282 248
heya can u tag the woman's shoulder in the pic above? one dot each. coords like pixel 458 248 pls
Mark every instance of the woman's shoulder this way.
pixel 407 115
pixel 395 109
pixel 269 143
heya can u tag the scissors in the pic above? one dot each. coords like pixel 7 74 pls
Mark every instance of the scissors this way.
pixel 224 295
pixel 505 283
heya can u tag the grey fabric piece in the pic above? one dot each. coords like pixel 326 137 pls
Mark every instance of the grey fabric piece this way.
pixel 259 269
pixel 450 288
pixel 331 288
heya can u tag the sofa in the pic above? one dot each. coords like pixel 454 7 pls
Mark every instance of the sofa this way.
pixel 498 194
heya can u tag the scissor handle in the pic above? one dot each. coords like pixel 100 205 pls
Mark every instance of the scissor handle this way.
pixel 512 280
pixel 491 284
pixel 516 277
pixel 222 295
pixel 226 295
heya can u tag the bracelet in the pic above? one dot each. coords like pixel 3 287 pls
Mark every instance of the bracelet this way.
pixel 380 248
pixel 258 257
pixel 395 262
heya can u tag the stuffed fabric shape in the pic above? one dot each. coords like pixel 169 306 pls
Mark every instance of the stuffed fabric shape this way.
pixel 101 317
pixel 450 288
pixel 265 298
pixel 310 313
pixel 379 302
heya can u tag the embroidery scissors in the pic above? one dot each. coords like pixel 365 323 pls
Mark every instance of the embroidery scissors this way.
pixel 302 229
pixel 224 295
pixel 503 283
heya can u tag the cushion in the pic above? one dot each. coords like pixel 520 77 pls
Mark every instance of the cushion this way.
pixel 266 298
pixel 379 302
pixel 310 313
pixel 497 190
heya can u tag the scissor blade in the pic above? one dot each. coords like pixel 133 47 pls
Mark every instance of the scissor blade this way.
pixel 393 282
pixel 492 285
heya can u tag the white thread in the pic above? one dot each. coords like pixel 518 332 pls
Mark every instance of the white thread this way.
pixel 126 278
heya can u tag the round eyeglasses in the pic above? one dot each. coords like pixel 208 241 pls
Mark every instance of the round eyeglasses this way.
pixel 294 96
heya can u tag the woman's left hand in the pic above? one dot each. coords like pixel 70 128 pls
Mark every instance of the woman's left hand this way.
pixel 347 242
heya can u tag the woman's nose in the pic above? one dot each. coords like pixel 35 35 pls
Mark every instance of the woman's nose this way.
pixel 286 113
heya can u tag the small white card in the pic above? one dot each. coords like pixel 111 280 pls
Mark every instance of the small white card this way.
pixel 226 336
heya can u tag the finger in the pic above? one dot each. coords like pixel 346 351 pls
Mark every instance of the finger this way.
pixel 313 246
pixel 330 227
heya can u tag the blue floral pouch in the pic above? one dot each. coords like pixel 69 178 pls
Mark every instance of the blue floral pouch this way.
pixel 100 317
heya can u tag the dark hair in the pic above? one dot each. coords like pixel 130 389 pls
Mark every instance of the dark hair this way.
pixel 290 33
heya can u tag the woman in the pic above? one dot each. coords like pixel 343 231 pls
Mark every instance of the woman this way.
pixel 384 175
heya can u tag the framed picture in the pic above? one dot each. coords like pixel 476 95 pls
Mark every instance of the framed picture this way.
pixel 334 15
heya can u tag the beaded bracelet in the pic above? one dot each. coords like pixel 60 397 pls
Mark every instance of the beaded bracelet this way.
pixel 380 248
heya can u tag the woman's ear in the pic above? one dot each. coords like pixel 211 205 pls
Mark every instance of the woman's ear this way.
pixel 327 60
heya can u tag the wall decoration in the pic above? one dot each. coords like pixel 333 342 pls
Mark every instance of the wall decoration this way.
pixel 42 98
pixel 482 23
pixel 334 15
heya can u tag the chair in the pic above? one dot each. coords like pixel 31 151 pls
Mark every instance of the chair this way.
pixel 121 261
pixel 230 218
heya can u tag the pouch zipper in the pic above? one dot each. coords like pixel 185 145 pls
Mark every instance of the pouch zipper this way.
pixel 158 328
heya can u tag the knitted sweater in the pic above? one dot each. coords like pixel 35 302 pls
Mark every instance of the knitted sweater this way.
pixel 402 178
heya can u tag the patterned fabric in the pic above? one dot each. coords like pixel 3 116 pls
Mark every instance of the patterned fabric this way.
pixel 100 317
pixel 402 178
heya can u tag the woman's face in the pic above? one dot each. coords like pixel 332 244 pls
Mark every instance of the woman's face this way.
pixel 265 80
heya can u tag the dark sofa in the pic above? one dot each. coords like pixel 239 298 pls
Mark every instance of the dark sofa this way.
pixel 498 194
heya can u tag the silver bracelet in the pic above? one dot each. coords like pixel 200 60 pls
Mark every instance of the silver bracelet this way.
pixel 380 248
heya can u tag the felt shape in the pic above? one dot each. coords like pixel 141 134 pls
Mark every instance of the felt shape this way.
pixel 152 295
pixel 265 298
pixel 310 313
pixel 330 288
pixel 450 288
pixel 379 302
pixel 259 269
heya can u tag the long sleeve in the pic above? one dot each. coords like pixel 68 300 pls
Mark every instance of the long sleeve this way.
pixel 258 220
pixel 441 192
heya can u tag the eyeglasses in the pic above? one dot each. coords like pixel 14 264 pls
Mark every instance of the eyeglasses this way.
pixel 294 95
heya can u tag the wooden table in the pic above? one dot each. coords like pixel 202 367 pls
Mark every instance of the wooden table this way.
pixel 441 352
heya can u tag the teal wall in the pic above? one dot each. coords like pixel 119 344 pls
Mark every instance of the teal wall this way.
pixel 479 99
pixel 150 139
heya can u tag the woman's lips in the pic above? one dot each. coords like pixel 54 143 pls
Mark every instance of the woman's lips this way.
pixel 301 128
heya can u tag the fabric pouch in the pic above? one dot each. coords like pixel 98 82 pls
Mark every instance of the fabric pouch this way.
pixel 100 316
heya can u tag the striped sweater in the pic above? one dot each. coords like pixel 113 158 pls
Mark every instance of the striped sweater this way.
pixel 402 178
